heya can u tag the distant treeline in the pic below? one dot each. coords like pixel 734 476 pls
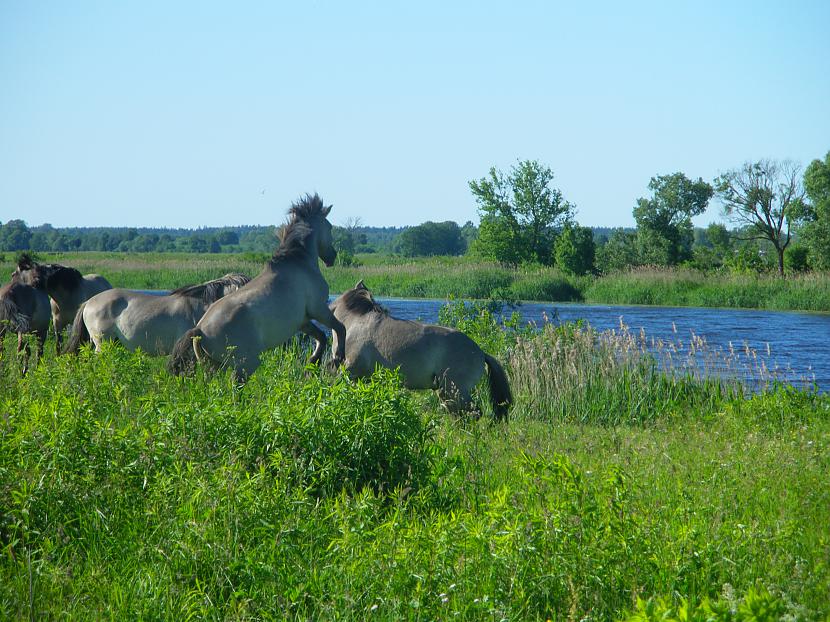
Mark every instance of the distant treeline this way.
pixel 424 240
pixel 16 235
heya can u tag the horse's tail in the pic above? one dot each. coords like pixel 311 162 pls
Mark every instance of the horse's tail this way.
pixel 80 333
pixel 11 318
pixel 182 359
pixel 500 395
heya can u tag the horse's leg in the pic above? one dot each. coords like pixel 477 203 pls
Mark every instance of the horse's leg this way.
pixel 319 337
pixel 457 399
pixel 58 325
pixel 23 346
pixel 41 340
pixel 323 314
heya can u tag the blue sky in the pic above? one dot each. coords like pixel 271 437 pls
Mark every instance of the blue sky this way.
pixel 206 114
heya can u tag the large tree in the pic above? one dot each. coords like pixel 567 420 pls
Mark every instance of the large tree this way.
pixel 664 222
pixel 765 199
pixel 521 213
pixel 816 230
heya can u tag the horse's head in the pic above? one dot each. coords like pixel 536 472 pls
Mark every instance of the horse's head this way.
pixel 311 213
pixel 357 301
pixel 29 272
pixel 325 239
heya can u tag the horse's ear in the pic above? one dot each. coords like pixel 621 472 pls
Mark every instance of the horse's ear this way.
pixel 361 285
pixel 326 210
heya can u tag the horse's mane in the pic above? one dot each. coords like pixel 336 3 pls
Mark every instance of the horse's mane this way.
pixel 360 301
pixel 61 276
pixel 211 291
pixel 293 239
pixel 307 208
pixel 294 235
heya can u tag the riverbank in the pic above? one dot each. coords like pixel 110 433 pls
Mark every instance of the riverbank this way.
pixel 462 277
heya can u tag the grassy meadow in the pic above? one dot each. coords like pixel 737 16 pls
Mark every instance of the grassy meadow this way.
pixel 614 492
pixel 464 277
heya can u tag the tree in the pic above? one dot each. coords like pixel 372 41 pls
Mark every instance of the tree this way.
pixel 766 198
pixel 816 231
pixel 618 253
pixel 14 236
pixel 575 249
pixel 520 213
pixel 432 238
pixel 664 222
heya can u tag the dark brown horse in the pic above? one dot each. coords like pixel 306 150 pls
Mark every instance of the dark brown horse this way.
pixel 67 288
pixel 24 309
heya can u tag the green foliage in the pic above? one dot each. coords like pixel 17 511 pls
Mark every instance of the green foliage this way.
pixel 758 605
pixel 690 288
pixel 575 250
pixel 432 238
pixel 765 199
pixel 796 258
pixel 664 222
pixel 126 493
pixel 618 253
pixel 816 231
pixel 521 214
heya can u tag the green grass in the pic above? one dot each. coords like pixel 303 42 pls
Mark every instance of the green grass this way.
pixel 126 493
pixel 464 277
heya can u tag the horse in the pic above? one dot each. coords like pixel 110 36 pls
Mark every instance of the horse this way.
pixel 281 300
pixel 24 309
pixel 141 320
pixel 427 356
pixel 67 288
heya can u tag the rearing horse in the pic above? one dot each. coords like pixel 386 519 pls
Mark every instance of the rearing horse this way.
pixel 283 299
pixel 67 288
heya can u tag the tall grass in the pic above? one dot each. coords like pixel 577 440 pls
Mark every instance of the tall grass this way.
pixel 681 287
pixel 464 277
pixel 126 493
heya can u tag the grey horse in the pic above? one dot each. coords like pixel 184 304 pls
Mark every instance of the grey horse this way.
pixel 66 286
pixel 428 356
pixel 142 320
pixel 24 309
pixel 281 300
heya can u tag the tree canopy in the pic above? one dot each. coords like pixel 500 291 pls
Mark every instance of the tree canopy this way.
pixel 521 213
pixel 664 222
pixel 816 232
pixel 765 198
pixel 432 238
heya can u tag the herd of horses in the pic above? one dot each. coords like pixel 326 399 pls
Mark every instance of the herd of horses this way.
pixel 227 323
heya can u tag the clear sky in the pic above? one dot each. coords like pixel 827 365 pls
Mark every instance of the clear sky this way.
pixel 182 114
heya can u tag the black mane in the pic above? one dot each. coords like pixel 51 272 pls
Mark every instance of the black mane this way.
pixel 360 301
pixel 58 276
pixel 49 276
pixel 294 235
pixel 211 291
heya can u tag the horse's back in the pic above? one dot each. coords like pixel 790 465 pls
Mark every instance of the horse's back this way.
pixel 264 314
pixel 138 320
pixel 423 352
pixel 95 284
